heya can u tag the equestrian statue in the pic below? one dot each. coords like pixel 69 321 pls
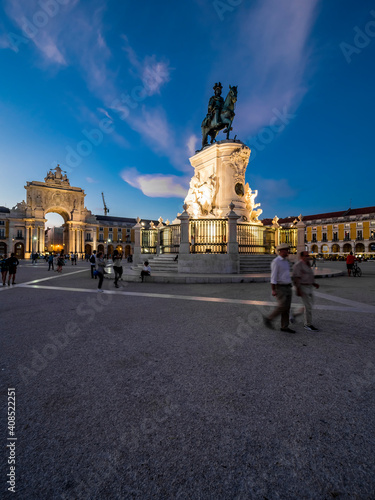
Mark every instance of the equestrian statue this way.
pixel 220 114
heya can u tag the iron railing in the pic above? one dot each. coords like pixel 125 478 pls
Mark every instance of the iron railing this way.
pixel 251 239
pixel 170 239
pixel 149 238
pixel 208 236
pixel 289 236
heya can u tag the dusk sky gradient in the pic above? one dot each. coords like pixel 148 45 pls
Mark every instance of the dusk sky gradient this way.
pixel 135 78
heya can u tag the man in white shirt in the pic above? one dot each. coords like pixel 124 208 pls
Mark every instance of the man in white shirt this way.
pixel 281 285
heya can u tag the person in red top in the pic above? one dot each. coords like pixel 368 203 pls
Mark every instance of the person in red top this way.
pixel 349 262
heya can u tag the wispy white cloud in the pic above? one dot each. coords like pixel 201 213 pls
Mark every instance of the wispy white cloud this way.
pixel 153 73
pixel 153 126
pixel 41 27
pixel 91 180
pixel 192 144
pixel 156 185
pixel 269 59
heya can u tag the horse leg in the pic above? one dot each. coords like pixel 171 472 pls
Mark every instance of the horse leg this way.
pixel 204 137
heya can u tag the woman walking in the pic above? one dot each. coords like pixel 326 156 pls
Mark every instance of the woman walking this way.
pixel 60 263
pixel 117 266
pixel 100 265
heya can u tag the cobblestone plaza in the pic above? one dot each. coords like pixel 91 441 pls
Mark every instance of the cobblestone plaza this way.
pixel 162 390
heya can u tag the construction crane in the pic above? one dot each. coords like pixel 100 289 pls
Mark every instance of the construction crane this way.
pixel 106 210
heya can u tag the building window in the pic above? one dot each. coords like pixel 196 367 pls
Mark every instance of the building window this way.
pixel 347 236
pixel 2 222
pixel 335 237
pixel 101 237
pixel 110 230
pixel 19 233
pixel 314 237
pixel 2 233
pixel 100 229
pixel 324 236
pixel 359 234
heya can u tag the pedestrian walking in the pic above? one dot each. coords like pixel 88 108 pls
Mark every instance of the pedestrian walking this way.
pixel 4 268
pixel 60 263
pixel 75 258
pixel 12 264
pixel 313 261
pixel 72 258
pixel 117 266
pixel 304 281
pixel 93 264
pixel 146 271
pixel 350 259
pixel 100 265
pixel 281 285
pixel 50 262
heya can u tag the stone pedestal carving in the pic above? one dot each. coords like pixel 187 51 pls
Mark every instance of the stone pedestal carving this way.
pixel 218 180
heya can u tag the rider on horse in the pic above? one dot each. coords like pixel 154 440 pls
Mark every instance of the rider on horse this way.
pixel 215 105
pixel 220 114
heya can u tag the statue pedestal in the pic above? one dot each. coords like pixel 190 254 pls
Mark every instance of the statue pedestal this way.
pixel 219 179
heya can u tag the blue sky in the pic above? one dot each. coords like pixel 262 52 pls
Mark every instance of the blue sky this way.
pixel 132 81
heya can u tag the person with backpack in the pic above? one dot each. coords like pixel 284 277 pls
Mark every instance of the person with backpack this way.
pixel 4 268
pixel 50 262
pixel 93 264
pixel 12 264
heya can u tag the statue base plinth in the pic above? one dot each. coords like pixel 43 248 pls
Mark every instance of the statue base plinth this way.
pixel 219 180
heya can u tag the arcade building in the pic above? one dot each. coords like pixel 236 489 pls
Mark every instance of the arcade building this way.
pixel 22 228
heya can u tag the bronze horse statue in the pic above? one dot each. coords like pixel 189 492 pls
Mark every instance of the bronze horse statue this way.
pixel 211 126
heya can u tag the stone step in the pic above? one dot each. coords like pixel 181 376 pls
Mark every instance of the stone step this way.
pixel 252 264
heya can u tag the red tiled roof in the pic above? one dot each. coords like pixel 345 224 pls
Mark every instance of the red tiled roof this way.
pixel 328 215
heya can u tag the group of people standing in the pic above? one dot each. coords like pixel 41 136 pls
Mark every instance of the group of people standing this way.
pixel 281 285
pixel 98 263
pixel 8 267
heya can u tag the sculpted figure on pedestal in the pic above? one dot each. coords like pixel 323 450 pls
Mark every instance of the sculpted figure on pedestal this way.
pixel 220 114
pixel 201 195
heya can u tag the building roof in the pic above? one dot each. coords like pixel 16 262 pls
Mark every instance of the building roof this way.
pixel 4 210
pixel 107 218
pixel 126 220
pixel 329 215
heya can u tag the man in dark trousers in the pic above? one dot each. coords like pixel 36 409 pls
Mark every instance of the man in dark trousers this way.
pixel 93 264
pixel 281 285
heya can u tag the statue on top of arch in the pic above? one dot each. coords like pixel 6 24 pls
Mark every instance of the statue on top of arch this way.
pixel 57 177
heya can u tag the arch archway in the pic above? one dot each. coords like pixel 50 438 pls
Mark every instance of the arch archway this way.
pixel 359 248
pixel 314 249
pixel 335 248
pixel 55 195
pixel 101 248
pixel 347 248
pixel 88 249
pixel 3 248
pixel 325 249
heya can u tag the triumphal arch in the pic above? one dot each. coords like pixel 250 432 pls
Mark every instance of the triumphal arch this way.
pixel 55 194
